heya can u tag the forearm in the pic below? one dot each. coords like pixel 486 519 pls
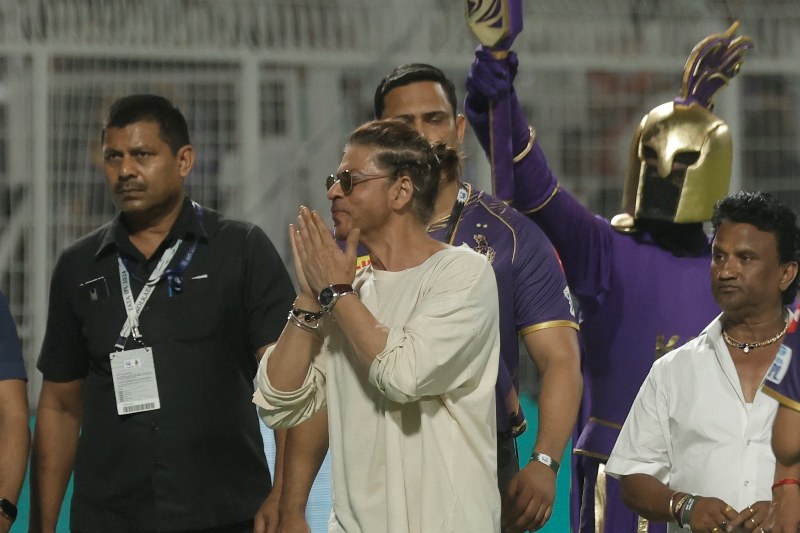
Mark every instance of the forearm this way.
pixel 305 449
pixel 280 450
pixel 364 333
pixel 54 444
pixel 557 356
pixel 55 440
pixel 14 438
pixel 559 401
pixel 294 352
pixel 647 496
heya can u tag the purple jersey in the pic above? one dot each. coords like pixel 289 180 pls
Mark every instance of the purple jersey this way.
pixel 532 288
pixel 783 378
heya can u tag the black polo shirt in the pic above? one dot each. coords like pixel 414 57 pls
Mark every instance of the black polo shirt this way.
pixel 198 461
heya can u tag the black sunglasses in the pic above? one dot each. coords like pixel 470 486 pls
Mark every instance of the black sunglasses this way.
pixel 348 180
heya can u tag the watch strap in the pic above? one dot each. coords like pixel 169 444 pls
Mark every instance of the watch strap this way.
pixel 8 510
pixel 546 460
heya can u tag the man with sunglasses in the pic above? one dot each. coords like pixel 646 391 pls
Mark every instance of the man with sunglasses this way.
pixel 394 364
pixel 532 290
pixel 534 298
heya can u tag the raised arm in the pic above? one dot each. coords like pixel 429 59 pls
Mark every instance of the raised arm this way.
pixel 582 239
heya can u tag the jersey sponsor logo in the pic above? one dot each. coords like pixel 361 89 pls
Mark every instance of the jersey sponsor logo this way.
pixel 483 248
pixel 780 365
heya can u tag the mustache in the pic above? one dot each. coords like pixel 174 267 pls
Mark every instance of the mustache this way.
pixel 127 186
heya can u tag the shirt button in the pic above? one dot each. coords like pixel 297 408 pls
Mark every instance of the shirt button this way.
pixel 746 483
pixel 154 425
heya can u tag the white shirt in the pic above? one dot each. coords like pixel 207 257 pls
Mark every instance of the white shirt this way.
pixel 691 428
pixel 413 444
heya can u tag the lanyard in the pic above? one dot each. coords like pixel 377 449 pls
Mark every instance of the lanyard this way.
pixel 455 214
pixel 174 283
pixel 134 308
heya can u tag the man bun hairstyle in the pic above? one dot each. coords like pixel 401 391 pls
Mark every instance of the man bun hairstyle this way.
pixel 402 151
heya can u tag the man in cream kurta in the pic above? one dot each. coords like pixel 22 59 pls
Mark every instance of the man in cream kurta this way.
pixel 422 423
pixel 405 365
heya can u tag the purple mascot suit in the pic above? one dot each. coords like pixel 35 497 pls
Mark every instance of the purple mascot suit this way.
pixel 642 280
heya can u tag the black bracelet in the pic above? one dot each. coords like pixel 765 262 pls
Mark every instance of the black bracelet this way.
pixel 8 510
pixel 308 316
pixel 545 460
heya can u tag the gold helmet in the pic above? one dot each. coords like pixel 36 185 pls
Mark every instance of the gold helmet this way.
pixel 680 157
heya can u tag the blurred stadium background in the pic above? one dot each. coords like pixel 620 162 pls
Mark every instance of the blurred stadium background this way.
pixel 271 88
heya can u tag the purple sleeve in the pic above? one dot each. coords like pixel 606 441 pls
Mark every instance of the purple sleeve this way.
pixel 783 378
pixel 541 293
pixel 582 240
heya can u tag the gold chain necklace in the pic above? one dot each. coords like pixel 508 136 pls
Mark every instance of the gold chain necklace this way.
pixel 747 346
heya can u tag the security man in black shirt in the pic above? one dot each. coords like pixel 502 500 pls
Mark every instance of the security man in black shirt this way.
pixel 155 323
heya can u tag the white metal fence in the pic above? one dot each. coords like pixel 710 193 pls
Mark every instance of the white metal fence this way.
pixel 271 87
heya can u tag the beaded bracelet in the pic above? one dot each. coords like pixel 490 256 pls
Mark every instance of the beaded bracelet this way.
pixel 787 481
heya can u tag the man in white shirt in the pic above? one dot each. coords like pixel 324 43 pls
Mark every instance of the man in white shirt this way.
pixel 695 448
pixel 398 359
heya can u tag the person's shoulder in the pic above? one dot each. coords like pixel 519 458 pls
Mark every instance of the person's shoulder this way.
pixel 88 243
pixel 513 219
pixel 220 225
pixel 681 358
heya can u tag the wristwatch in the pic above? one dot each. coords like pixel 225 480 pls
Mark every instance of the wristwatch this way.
pixel 546 460
pixel 8 510
pixel 330 295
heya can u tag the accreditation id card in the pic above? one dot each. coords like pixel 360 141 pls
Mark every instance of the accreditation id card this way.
pixel 134 375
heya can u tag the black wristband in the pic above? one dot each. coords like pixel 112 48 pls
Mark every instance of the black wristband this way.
pixel 8 510
pixel 545 460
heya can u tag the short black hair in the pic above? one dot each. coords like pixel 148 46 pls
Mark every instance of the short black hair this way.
pixel 408 74
pixel 768 214
pixel 173 129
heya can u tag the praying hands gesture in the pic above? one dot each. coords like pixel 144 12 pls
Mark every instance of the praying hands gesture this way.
pixel 318 260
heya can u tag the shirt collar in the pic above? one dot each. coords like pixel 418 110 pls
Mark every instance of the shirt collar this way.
pixel 187 226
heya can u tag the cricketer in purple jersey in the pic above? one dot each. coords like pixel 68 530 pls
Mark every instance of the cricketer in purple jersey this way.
pixel 532 289
pixel 640 293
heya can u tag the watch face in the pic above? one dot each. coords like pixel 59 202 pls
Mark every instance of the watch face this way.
pixel 325 297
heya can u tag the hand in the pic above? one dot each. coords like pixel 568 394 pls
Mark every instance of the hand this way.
pixel 751 518
pixel 784 514
pixel 298 266
pixel 266 519
pixel 321 260
pixel 490 78
pixel 528 500
pixel 712 515
pixel 293 523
